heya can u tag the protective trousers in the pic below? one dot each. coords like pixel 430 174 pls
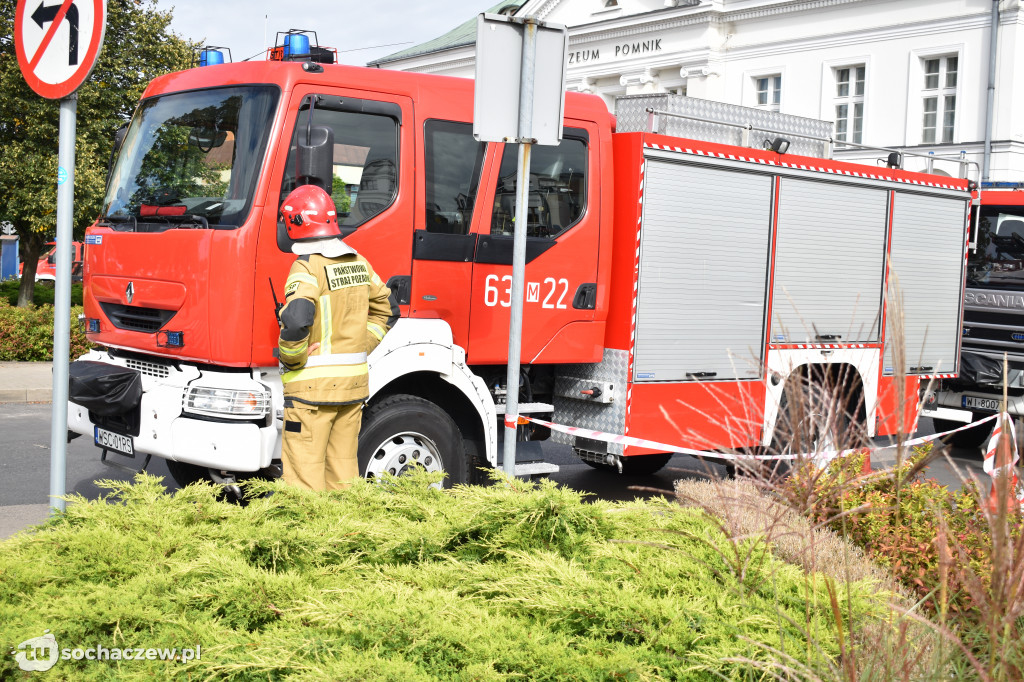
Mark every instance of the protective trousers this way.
pixel 319 445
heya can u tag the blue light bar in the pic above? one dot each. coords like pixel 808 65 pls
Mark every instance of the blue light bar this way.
pixel 211 57
pixel 94 325
pixel 1002 184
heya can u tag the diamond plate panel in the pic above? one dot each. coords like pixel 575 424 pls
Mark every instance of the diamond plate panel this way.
pixel 631 115
pixel 587 414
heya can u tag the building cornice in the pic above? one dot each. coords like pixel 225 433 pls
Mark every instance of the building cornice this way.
pixel 860 36
pixel 583 34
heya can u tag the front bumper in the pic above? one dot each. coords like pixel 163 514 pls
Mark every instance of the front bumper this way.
pixel 165 430
pixel 949 404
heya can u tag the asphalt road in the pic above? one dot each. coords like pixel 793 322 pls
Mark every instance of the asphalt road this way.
pixel 25 466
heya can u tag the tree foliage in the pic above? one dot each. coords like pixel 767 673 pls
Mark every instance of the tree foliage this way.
pixel 138 47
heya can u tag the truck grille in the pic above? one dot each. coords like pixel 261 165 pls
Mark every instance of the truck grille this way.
pixel 153 369
pixel 990 333
pixel 135 318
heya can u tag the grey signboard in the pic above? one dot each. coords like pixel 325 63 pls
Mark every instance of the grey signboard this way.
pixel 499 73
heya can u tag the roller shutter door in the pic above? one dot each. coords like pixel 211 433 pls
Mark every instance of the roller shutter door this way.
pixel 928 239
pixel 829 264
pixel 703 273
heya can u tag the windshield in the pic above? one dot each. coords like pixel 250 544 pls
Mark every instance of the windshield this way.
pixel 191 160
pixel 998 262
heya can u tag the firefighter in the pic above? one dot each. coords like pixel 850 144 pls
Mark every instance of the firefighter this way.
pixel 336 311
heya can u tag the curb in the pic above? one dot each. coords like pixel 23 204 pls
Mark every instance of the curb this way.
pixel 26 395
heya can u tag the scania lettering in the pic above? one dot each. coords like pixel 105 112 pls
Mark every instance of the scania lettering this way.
pixel 676 288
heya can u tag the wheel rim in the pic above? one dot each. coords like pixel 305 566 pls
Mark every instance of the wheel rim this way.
pixel 404 452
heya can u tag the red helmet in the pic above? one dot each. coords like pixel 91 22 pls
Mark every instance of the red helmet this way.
pixel 308 213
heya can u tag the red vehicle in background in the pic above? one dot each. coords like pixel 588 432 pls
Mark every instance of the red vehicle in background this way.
pixel 46 268
pixel 675 289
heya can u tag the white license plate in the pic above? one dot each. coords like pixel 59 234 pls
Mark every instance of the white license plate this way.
pixel 115 441
pixel 987 404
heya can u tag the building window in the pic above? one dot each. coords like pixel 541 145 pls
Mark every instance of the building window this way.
pixel 849 102
pixel 939 99
pixel 769 91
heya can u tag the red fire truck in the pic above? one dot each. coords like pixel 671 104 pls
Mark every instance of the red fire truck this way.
pixel 46 268
pixel 674 287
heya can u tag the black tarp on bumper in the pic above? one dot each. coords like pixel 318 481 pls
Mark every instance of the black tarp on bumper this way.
pixel 103 389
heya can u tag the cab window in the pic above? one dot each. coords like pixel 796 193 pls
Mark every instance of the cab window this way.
pixel 365 178
pixel 453 162
pixel 558 187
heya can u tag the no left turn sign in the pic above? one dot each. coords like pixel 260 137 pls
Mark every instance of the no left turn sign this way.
pixel 57 42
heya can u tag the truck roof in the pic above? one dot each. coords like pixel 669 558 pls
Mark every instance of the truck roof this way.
pixel 448 94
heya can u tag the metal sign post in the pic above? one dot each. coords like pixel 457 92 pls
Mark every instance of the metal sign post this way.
pixel 62 300
pixel 539 104
pixel 57 47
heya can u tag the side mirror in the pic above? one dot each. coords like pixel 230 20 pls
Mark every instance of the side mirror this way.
pixel 315 158
pixel 119 136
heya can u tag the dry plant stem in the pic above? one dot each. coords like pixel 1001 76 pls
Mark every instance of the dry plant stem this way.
pixel 899 355
pixel 844 655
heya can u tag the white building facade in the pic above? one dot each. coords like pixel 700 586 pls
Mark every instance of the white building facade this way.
pixel 911 74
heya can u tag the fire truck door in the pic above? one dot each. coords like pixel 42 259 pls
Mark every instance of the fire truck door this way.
pixel 562 226
pixel 370 179
pixel 443 242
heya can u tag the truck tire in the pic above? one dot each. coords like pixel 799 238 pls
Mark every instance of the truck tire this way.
pixel 637 465
pixel 405 431
pixel 186 474
pixel 968 438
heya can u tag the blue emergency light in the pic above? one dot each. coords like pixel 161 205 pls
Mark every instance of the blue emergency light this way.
pixel 94 325
pixel 211 57
pixel 296 45
pixel 170 339
pixel 1002 184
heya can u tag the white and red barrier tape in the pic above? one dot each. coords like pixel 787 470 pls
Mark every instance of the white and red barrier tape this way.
pixel 821 457
pixel 826 455
pixel 1009 468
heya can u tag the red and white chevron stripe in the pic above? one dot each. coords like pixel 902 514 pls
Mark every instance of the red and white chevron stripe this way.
pixel 800 166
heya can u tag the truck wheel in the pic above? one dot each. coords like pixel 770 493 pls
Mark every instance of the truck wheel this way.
pixel 637 465
pixel 968 438
pixel 186 474
pixel 402 432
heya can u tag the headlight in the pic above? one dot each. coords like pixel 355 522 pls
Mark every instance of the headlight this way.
pixel 226 402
